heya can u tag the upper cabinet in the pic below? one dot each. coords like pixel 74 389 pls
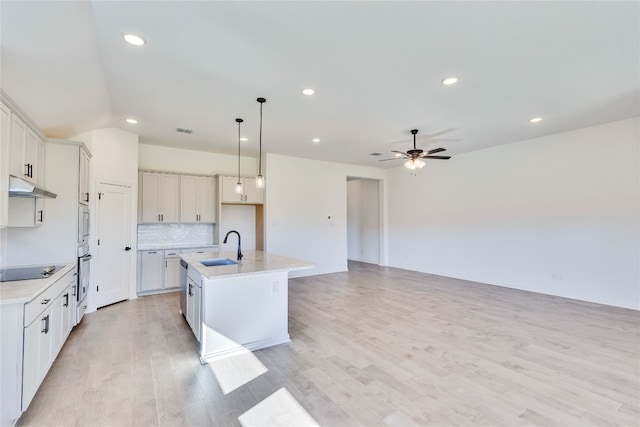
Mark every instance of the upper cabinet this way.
pixel 24 145
pixel 197 199
pixel 5 138
pixel 250 194
pixel 160 197
pixel 83 179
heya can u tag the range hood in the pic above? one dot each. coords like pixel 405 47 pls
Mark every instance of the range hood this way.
pixel 20 188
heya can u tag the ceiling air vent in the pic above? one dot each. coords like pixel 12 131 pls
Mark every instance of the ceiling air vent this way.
pixel 184 130
pixel 376 154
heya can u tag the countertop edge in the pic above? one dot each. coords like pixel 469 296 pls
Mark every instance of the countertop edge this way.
pixel 32 288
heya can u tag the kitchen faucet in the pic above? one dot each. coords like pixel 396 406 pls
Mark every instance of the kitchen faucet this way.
pixel 225 241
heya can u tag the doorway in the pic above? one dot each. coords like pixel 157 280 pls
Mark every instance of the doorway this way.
pixel 363 220
pixel 113 257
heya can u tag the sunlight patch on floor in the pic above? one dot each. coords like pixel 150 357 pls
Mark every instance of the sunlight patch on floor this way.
pixel 237 370
pixel 279 409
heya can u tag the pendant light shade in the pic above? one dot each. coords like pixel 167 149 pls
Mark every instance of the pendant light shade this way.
pixel 259 178
pixel 239 183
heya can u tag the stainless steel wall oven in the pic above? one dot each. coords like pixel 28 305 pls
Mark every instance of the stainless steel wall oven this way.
pixel 84 272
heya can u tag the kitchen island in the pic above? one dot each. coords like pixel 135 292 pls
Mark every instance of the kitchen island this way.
pixel 238 307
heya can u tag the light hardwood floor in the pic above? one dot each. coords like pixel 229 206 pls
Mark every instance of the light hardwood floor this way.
pixel 374 346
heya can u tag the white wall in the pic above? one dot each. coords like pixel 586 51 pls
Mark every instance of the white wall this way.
pixel 153 157
pixel 301 195
pixel 558 215
pixel 363 225
pixel 115 159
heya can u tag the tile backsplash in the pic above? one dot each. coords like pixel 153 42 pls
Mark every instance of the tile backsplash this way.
pixel 175 234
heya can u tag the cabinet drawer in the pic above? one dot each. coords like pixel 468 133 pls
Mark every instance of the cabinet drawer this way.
pixel 172 253
pixel 34 308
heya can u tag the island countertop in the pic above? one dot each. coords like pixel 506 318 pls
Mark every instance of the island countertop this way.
pixel 253 262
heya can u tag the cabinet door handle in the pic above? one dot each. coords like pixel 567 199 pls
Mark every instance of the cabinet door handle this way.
pixel 66 300
pixel 87 200
pixel 153 252
pixel 45 301
pixel 45 319
pixel 41 216
pixel 190 294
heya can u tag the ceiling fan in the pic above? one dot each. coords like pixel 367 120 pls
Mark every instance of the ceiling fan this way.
pixel 414 156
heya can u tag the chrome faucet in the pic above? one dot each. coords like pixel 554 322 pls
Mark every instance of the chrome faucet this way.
pixel 225 241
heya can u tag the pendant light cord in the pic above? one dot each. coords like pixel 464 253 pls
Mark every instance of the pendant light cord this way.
pixel 239 121
pixel 260 155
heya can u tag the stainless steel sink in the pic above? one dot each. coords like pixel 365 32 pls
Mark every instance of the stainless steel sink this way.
pixel 217 262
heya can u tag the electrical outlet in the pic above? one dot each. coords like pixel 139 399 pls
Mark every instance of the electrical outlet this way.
pixel 557 276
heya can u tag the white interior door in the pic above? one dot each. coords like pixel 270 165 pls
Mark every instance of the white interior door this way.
pixel 114 234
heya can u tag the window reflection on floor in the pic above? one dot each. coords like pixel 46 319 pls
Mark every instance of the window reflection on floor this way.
pixel 237 370
pixel 279 409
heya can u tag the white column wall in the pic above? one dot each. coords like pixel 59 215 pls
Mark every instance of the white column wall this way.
pixel 558 215
pixel 306 210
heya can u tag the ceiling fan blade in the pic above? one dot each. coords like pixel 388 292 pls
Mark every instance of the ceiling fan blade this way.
pixel 436 150
pixel 395 158
pixel 437 157
pixel 399 152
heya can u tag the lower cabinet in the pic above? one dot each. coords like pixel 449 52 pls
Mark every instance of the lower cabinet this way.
pixel 37 354
pixel 150 266
pixel 194 310
pixel 47 324
pixel 159 270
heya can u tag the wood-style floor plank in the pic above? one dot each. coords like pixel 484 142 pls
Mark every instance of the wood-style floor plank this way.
pixel 373 346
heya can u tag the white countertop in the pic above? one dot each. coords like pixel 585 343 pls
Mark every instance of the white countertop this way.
pixel 253 262
pixel 24 291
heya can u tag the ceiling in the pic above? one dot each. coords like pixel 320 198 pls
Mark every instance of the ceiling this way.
pixel 376 67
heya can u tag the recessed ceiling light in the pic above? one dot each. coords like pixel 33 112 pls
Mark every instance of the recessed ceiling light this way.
pixel 449 81
pixel 536 120
pixel 243 139
pixel 315 140
pixel 132 121
pixel 134 39
pixel 308 91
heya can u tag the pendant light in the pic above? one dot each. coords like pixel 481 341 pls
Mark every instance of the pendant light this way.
pixel 260 178
pixel 239 183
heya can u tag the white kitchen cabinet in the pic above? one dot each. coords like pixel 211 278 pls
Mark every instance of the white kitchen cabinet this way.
pixel 5 142
pixel 83 178
pixel 46 328
pixel 17 166
pixel 160 197
pixel 194 310
pixel 250 194
pixel 171 268
pixel 61 322
pixel 197 199
pixel 151 266
pixel 23 151
pixel 37 353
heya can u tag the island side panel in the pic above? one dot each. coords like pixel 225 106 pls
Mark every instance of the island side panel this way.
pixel 244 313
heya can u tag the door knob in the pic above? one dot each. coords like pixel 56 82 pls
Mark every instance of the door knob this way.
pixel 127 248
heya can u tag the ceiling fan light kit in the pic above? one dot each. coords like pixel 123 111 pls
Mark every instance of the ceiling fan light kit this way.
pixel 415 156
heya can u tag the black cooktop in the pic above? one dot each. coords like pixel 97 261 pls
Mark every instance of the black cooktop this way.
pixel 28 273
